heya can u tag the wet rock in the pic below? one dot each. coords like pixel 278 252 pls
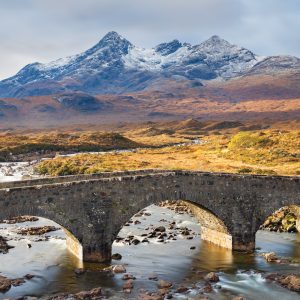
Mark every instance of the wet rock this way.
pixel 119 239
pixel 289 281
pixel 207 288
pixel 162 284
pixel 36 230
pixel 92 294
pixel 135 241
pixel 270 256
pixel 128 276
pixel 17 281
pixel 150 296
pixel 151 235
pixel 163 292
pixel 4 247
pixel 185 232
pixel 140 214
pixel 179 207
pixel 212 277
pixel 292 282
pixel 182 289
pixel 6 283
pixel 128 286
pixel 136 222
pixel 283 220
pixel 116 256
pixel 79 271
pixel 153 277
pixel 20 219
pixel 160 229
pixel 118 269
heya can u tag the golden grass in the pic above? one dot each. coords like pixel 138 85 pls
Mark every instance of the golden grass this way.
pixel 261 152
pixel 16 144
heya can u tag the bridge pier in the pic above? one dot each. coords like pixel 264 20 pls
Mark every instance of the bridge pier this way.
pixel 236 242
pixel 216 237
pixel 97 253
pixel 73 245
pixel 243 242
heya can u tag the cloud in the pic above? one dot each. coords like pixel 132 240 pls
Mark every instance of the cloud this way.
pixel 34 30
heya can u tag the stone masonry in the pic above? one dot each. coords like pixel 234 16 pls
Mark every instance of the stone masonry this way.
pixel 94 208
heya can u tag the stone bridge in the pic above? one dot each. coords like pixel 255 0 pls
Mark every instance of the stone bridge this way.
pixel 94 208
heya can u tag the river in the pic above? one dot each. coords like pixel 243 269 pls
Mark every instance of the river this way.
pixel 175 261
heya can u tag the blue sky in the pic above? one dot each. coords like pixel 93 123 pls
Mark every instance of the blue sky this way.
pixel 44 30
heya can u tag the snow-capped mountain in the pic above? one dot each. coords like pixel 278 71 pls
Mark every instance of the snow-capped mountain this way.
pixel 115 66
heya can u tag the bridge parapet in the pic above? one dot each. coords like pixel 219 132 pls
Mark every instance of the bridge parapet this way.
pixel 74 178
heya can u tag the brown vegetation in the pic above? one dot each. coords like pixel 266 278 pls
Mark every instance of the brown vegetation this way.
pixel 259 152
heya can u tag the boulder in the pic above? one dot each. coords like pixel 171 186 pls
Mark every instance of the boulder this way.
pixel 270 256
pixel 116 256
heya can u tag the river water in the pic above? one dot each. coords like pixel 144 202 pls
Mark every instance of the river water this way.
pixel 174 260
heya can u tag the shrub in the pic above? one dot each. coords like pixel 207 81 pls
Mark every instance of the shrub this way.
pixel 245 139
pixel 244 170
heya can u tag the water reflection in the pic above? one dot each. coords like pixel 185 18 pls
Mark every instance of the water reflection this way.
pixel 212 258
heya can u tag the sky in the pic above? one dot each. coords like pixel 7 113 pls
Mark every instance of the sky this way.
pixel 45 30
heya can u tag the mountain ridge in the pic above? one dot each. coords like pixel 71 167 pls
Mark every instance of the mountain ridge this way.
pixel 115 66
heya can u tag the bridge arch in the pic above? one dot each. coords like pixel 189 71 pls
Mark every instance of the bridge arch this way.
pixel 72 242
pixel 213 228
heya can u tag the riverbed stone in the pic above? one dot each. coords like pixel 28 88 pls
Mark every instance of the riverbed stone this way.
pixel 212 277
pixel 160 229
pixel 163 284
pixel 116 256
pixel 270 257
pixel 128 286
pixel 292 282
pixel 119 269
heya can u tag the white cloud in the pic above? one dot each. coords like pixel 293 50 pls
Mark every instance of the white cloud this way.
pixel 35 30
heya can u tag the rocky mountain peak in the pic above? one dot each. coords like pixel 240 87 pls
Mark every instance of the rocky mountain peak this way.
pixel 168 48
pixel 114 65
pixel 112 39
pixel 216 44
